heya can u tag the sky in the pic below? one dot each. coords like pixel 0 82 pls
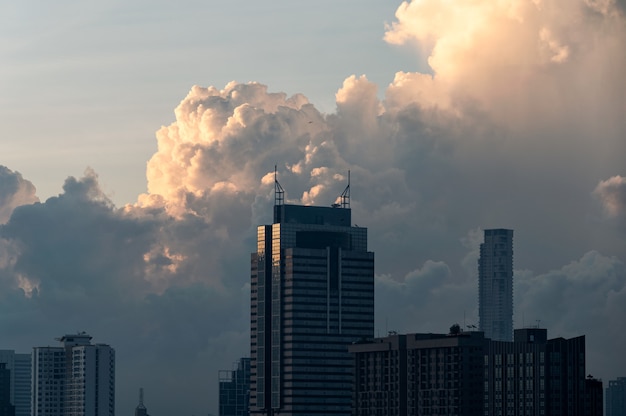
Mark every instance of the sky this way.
pixel 139 142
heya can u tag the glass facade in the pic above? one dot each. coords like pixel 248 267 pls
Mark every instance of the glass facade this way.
pixel 320 299
pixel 235 389
pixel 20 368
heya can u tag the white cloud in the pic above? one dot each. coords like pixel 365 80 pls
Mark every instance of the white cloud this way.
pixel 612 195
pixel 14 191
pixel 517 60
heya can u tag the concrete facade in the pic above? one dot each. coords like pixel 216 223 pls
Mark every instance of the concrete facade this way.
pixel 74 379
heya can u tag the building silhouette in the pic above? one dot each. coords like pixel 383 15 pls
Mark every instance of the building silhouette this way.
pixel 234 389
pixel 20 367
pixel 616 397
pixel 6 408
pixel 419 374
pixel 74 379
pixel 594 397
pixel 466 374
pixel 535 375
pixel 312 295
pixel 495 285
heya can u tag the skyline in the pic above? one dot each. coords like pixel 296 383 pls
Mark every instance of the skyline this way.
pixel 512 118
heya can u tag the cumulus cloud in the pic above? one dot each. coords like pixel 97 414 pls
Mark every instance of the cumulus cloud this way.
pixel 586 296
pixel 521 61
pixel 14 191
pixel 427 299
pixel 135 278
pixel 224 141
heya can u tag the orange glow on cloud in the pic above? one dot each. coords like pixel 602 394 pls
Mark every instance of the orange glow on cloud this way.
pixel 506 56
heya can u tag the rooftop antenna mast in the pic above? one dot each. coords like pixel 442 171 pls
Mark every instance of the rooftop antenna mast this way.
pixel 345 195
pixel 279 192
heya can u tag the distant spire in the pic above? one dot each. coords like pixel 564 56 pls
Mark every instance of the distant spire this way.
pixel 141 410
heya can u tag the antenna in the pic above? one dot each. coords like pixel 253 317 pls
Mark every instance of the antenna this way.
pixel 279 192
pixel 141 396
pixel 345 195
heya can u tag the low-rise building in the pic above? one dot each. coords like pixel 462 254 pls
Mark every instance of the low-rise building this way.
pixel 419 374
pixel 463 373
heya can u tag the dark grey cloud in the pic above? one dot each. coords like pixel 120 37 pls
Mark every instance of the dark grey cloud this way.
pixel 151 286
pixel 586 296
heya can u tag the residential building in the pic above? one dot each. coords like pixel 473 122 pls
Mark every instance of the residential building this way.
pixel 495 285
pixel 74 379
pixel 312 295
pixel 535 376
pixel 419 374
pixel 463 373
pixel 616 397
pixel 20 368
pixel 234 385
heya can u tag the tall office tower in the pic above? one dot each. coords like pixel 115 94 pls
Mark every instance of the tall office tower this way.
pixel 6 408
pixel 495 285
pixel 75 379
pixel 20 367
pixel 616 397
pixel 234 387
pixel 312 295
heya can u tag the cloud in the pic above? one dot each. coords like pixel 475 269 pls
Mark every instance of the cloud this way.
pixel 150 285
pixel 223 141
pixel 520 61
pixel 586 296
pixel 14 191
pixel 427 299
pixel 612 195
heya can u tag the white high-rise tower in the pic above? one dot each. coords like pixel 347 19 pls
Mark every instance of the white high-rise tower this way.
pixel 75 379
pixel 495 285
